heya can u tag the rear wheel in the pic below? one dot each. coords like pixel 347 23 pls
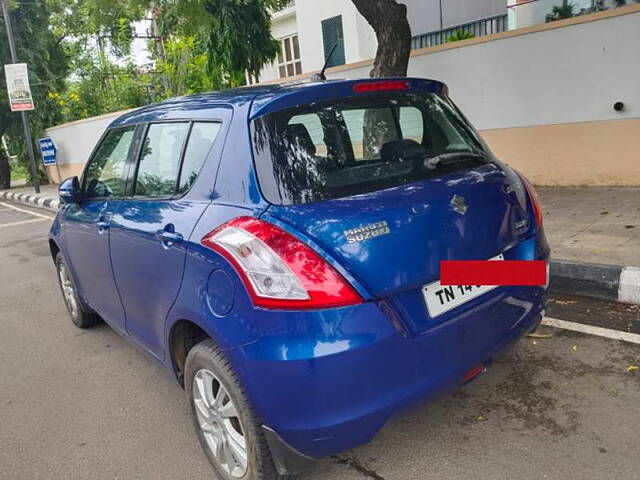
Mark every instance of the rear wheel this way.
pixel 80 317
pixel 227 427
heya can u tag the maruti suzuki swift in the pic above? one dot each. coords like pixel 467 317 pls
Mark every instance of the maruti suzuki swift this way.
pixel 278 249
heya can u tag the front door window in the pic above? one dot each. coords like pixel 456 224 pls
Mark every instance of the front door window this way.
pixel 104 175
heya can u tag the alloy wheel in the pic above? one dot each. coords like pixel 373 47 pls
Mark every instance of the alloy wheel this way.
pixel 219 422
pixel 68 291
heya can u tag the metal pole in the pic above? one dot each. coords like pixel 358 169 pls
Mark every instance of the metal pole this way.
pixel 441 24
pixel 25 117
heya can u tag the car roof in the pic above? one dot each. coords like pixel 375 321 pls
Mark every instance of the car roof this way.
pixel 279 95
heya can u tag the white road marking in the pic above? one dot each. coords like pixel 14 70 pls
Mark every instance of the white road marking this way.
pixel 35 214
pixel 23 222
pixel 591 330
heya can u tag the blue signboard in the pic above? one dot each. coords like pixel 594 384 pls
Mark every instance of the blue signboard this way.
pixel 48 150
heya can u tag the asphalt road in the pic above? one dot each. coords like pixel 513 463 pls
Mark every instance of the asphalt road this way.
pixel 88 405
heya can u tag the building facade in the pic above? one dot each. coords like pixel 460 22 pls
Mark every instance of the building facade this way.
pixel 558 101
pixel 308 30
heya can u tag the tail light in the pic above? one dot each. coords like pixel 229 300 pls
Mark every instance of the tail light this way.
pixel 535 202
pixel 381 86
pixel 278 270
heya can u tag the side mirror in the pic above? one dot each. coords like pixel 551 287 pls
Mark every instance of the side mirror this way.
pixel 69 190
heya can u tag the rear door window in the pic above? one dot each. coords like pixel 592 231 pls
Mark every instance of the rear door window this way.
pixel 360 144
pixel 172 157
pixel 159 164
pixel 201 138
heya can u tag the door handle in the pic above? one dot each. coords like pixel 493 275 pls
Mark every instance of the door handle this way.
pixel 168 237
pixel 102 225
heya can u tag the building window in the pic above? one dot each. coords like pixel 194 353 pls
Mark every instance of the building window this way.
pixel 332 36
pixel 289 63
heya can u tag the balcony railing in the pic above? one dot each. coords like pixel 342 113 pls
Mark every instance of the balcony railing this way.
pixel 479 28
pixel 524 13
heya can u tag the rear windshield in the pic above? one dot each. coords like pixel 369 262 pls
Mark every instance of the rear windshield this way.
pixel 357 145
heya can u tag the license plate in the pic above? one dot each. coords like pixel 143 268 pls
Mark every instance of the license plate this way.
pixel 440 299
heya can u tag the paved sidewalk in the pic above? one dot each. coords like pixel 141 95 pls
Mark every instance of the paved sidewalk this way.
pixel 593 225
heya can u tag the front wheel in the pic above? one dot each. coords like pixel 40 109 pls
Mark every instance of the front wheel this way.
pixel 227 427
pixel 79 316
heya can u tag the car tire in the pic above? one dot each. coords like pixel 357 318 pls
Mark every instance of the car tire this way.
pixel 77 311
pixel 223 426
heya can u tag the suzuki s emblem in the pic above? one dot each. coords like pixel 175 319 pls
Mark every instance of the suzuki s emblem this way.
pixel 458 204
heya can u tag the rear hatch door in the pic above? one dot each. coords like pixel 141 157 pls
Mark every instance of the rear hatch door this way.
pixel 386 183
pixel 393 240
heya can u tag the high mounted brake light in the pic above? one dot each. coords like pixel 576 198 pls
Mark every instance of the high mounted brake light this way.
pixel 385 85
pixel 535 202
pixel 278 270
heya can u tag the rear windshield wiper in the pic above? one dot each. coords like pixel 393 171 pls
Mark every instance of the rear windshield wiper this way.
pixel 452 157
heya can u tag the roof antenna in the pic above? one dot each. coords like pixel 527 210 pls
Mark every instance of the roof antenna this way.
pixel 321 77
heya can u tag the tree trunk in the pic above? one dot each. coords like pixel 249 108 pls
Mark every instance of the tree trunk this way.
pixel 389 20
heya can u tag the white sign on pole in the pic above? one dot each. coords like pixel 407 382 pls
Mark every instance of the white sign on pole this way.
pixel 18 87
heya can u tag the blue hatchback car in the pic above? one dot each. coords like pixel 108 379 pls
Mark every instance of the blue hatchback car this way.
pixel 278 249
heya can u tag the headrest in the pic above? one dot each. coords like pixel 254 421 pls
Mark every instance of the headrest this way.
pixel 401 149
pixel 299 138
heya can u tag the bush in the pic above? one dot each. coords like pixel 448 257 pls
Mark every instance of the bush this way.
pixel 460 35
pixel 559 12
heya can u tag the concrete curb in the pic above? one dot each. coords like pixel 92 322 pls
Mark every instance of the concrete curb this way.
pixel 609 282
pixel 32 200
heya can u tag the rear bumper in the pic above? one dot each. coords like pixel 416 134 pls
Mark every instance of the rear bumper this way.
pixel 332 379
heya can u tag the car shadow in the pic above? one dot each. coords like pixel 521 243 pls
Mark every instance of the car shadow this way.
pixel 521 419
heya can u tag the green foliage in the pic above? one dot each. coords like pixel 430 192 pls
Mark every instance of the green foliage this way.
pixel 36 45
pixel 240 38
pixel 568 10
pixel 103 87
pixel 558 12
pixel 80 64
pixel 19 171
pixel 185 67
pixel 601 5
pixel 460 35
pixel 106 23
pixel 597 6
pixel 198 45
pixel 235 34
